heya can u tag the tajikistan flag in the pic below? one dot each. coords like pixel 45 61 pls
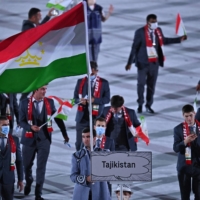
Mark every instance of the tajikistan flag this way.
pixel 63 107
pixel 180 28
pixel 58 4
pixel 37 56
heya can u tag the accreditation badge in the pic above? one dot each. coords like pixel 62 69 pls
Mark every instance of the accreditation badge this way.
pixel 95 109
pixel 13 157
pixel 188 155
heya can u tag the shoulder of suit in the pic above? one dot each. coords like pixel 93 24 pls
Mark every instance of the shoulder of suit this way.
pixel 98 6
pixel 179 126
pixel 79 80
pixel 28 23
pixel 79 154
pixel 107 108
pixel 24 101
pixel 49 99
pixel 103 80
pixel 109 139
pixel 130 110
pixel 139 29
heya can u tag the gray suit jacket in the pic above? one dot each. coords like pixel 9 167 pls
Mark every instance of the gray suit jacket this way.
pixel 109 144
pixel 128 134
pixel 179 147
pixel 7 176
pixel 104 97
pixel 79 171
pixel 23 121
pixel 138 53
pixel 28 24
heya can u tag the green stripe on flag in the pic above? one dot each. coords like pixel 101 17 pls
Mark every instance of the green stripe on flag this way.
pixel 62 116
pixel 29 79
pixel 57 6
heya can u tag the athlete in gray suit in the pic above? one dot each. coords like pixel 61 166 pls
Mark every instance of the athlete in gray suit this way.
pixel 9 101
pixel 187 146
pixel 117 127
pixel 80 173
pixel 7 176
pixel 36 139
pixel 147 65
pixel 102 140
pixel 100 96
pixel 34 17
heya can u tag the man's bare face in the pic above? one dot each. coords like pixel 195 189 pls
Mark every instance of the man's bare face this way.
pixel 86 139
pixel 37 18
pixel 189 118
pixel 40 93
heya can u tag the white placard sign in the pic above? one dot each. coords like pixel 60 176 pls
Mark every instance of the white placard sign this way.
pixel 121 166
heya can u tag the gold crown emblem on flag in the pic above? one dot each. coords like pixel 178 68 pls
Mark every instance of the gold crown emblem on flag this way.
pixel 29 59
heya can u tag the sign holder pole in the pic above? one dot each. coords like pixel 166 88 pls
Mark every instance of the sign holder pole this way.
pixel 121 192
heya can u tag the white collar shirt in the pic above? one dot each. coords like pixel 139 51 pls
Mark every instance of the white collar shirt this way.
pixel 41 102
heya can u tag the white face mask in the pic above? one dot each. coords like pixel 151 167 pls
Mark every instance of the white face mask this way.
pixel 92 77
pixel 5 130
pixel 154 26
pixel 100 130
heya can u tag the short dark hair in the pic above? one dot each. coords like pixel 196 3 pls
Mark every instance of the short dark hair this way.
pixel 151 16
pixel 117 101
pixel 33 92
pixel 2 118
pixel 101 119
pixel 93 65
pixel 32 12
pixel 187 108
pixel 87 130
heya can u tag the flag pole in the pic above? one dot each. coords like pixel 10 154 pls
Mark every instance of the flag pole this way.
pixel 88 70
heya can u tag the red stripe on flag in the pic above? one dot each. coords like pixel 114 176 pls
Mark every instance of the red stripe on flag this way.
pixel 17 44
pixel 59 109
pixel 66 103
pixel 142 135
pixel 178 21
pixel 56 98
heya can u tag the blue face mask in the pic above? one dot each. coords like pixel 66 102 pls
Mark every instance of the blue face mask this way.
pixel 5 130
pixel 100 130
pixel 92 77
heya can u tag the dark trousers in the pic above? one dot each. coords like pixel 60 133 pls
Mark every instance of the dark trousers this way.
pixel 186 182
pixel 7 191
pixel 90 195
pixel 42 149
pixel 147 74
pixel 94 50
pixel 79 128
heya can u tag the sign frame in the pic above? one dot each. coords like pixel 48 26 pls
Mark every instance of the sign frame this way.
pixel 139 158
